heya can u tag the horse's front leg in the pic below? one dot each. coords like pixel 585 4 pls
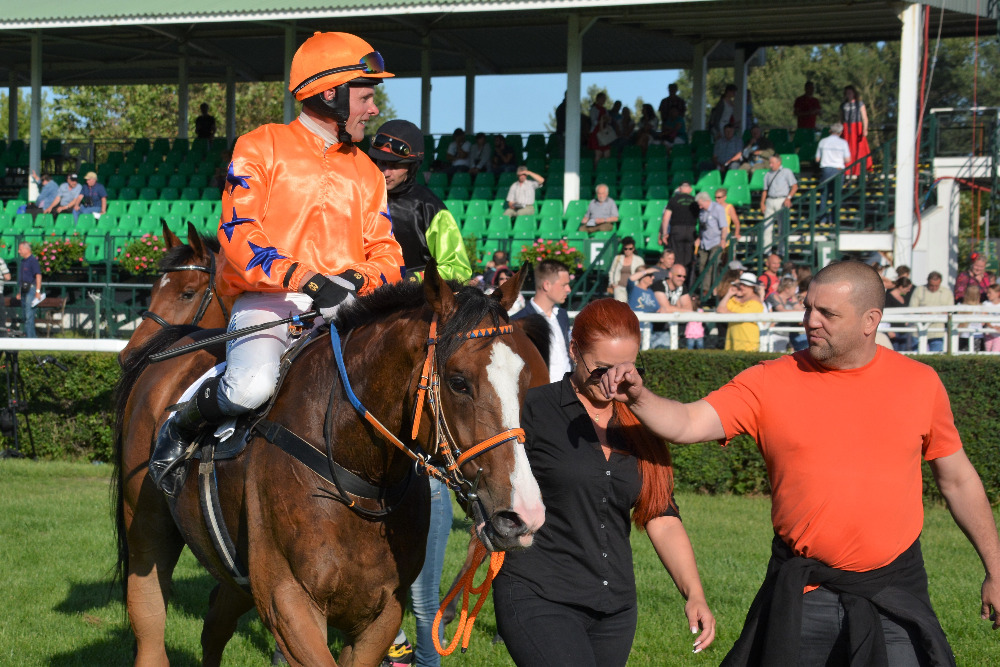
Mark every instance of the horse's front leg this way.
pixel 298 626
pixel 372 643
pixel 226 605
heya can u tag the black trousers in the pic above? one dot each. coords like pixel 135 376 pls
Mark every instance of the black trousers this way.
pixel 541 633
pixel 682 243
pixel 824 636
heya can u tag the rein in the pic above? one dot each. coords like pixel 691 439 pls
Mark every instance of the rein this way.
pixel 206 297
pixel 429 392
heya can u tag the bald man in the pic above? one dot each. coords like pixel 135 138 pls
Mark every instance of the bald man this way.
pixel 846 581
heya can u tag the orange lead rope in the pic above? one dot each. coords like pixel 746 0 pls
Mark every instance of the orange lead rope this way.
pixel 465 585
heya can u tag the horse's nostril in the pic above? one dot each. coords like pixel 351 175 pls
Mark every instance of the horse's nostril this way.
pixel 508 524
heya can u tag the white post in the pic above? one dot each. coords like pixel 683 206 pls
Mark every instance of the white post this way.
pixel 230 107
pixel 470 96
pixel 571 142
pixel 12 128
pixel 699 84
pixel 906 131
pixel 425 85
pixel 182 94
pixel 290 46
pixel 35 150
pixel 740 79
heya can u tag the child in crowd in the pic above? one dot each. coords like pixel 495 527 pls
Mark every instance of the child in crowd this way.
pixel 694 332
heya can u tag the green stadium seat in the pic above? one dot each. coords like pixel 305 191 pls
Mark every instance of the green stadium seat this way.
pixel 10 208
pixel 701 138
pixel 458 192
pixel 438 179
pixel 138 208
pixel 457 208
pixel 136 181
pixel 439 191
pixel 653 208
pixel 85 223
pixel 149 194
pixel 557 164
pixel 158 181
pixel 550 224
pixel 63 225
pixel 108 222
pixel 505 180
pixel 660 191
pixel 116 207
pixel 738 195
pixel 483 192
pixel 535 164
pixel 631 178
pixel 682 163
pixel 804 135
pixel 678 177
pixel 142 145
pixel 211 193
pixel 735 177
pixel 47 220
pixel 551 208
pixel 186 168
pixel 628 208
pixel 97 248
pixel 631 192
pixel 575 211
pixel 199 181
pixel 499 227
pixel 525 225
pixel 190 194
pixel 117 181
pixel 757 180
pixel 778 135
pixel 114 157
pixel 23 222
pixel 52 149
pixel 497 207
pixel 8 248
pixel 655 152
pixel 554 191
pixel 485 178
pixel 630 226
pixel 203 208
pixel 474 225
pixel 176 181
pixel 709 181
pixel 791 161
pixel 461 179
pixel 477 207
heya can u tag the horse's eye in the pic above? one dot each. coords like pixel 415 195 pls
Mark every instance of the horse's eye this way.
pixel 187 295
pixel 458 384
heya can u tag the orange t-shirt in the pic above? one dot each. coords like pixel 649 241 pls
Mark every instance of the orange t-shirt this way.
pixel 292 205
pixel 843 450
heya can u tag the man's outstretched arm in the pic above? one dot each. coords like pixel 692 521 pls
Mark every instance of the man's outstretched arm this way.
pixel 676 422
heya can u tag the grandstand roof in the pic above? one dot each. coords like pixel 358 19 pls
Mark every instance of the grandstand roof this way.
pixel 107 41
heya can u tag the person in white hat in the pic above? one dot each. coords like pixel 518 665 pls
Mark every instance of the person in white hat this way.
pixel 742 298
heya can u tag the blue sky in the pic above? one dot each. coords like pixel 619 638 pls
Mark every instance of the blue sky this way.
pixel 516 103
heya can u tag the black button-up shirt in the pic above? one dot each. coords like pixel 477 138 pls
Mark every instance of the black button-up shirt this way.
pixel 581 555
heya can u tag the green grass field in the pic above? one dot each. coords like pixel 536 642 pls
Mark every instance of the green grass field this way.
pixel 57 607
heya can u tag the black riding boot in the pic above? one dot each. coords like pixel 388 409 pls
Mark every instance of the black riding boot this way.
pixel 177 434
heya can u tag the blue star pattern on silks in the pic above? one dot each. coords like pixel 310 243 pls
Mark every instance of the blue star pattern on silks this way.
pixel 233 180
pixel 228 227
pixel 388 216
pixel 263 257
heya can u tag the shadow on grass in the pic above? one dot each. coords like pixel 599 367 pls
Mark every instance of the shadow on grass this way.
pixel 189 597
pixel 117 649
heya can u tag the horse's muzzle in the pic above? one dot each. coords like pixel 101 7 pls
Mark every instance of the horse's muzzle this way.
pixel 504 531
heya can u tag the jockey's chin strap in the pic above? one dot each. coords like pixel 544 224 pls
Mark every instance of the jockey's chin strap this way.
pixel 429 391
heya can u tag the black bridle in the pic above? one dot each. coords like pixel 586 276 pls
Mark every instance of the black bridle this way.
pixel 206 297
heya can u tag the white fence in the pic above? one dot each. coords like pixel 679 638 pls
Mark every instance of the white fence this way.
pixel 775 328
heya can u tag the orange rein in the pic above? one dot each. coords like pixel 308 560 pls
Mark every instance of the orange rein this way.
pixel 465 584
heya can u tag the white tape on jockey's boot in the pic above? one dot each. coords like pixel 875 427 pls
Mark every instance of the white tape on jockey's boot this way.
pixel 225 430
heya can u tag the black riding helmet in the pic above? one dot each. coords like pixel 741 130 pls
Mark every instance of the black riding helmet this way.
pixel 398 141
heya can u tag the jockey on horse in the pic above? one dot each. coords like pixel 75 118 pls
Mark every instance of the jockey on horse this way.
pixel 305 225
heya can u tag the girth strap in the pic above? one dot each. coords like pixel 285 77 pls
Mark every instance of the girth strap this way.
pixel 208 489
pixel 316 461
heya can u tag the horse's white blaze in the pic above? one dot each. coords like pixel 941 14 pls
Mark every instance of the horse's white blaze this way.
pixel 504 372
pixel 164 280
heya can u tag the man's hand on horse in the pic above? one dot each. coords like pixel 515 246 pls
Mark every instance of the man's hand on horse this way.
pixel 622 383
pixel 330 294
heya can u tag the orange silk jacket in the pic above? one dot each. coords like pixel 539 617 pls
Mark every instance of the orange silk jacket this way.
pixel 292 205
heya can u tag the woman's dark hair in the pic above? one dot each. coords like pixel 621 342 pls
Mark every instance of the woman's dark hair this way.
pixel 903 282
pixel 502 271
pixel 628 240
pixel 609 319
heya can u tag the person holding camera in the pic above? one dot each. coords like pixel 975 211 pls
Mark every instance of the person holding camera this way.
pixel 94 198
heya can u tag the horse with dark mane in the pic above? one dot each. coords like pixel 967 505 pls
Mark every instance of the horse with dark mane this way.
pixel 314 555
pixel 186 293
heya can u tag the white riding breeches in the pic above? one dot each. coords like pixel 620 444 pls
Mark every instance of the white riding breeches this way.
pixel 253 361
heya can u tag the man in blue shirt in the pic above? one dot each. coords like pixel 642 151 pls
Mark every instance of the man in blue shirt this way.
pixel 48 190
pixel 30 278
pixel 713 229
pixel 94 198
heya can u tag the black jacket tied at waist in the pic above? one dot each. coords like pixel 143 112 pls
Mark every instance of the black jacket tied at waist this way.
pixel 774 623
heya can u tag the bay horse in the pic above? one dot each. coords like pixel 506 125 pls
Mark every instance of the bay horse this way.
pixel 186 292
pixel 313 561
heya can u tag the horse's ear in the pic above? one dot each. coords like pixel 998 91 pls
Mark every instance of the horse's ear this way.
pixel 437 290
pixel 507 293
pixel 172 240
pixel 194 240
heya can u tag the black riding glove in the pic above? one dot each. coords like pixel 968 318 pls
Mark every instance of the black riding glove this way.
pixel 329 294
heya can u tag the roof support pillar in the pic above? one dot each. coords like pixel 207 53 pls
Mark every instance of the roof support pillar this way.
pixel 906 132
pixel 699 80
pixel 425 85
pixel 470 95
pixel 230 106
pixel 740 79
pixel 182 94
pixel 12 128
pixel 574 70
pixel 289 109
pixel 35 150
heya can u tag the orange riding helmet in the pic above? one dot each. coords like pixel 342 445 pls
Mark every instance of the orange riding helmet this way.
pixel 329 59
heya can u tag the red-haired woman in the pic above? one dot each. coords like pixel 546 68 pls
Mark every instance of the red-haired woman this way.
pixel 570 599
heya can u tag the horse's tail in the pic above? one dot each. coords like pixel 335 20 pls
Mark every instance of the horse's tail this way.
pixel 134 366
